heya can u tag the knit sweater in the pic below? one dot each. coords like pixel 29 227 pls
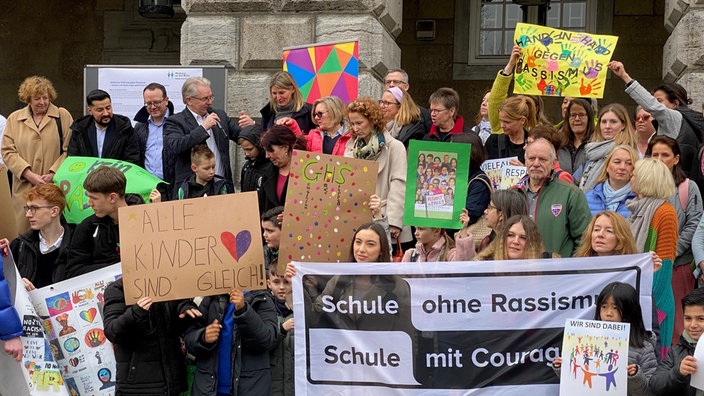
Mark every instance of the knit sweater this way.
pixel 662 239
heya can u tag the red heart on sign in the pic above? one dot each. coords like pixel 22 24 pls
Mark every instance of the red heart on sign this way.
pixel 228 239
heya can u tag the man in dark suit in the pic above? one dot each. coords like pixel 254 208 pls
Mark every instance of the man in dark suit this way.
pixel 104 134
pixel 198 124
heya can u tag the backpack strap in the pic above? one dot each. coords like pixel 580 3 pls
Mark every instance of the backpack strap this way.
pixel 683 190
pixel 61 135
pixel 479 177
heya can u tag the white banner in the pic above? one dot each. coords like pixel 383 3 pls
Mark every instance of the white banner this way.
pixel 72 314
pixel 480 328
pixel 125 86
pixel 37 374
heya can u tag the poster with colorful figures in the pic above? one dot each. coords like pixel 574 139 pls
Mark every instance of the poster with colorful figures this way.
pixel 71 315
pixel 594 358
pixel 558 62
pixel 37 374
pixel 326 201
pixel 325 69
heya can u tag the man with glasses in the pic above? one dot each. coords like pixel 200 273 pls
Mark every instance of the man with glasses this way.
pixel 150 128
pixel 198 124
pixel 399 78
pixel 103 134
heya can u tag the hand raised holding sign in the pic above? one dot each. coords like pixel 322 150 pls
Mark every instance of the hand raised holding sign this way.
pixel 237 298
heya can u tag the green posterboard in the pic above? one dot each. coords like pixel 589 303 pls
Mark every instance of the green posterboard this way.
pixel 436 184
pixel 73 172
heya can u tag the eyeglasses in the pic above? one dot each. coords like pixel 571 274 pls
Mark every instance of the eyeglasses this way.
pixel 490 207
pixel 33 209
pixel 384 103
pixel 395 82
pixel 155 103
pixel 437 111
pixel 643 118
pixel 579 115
pixel 204 98
pixel 319 114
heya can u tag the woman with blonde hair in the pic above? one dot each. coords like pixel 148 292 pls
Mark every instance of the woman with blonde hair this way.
pixel 35 141
pixel 402 116
pixel 614 128
pixel 518 239
pixel 613 188
pixel 285 102
pixel 653 221
pixel 517 115
pixel 608 234
pixel 330 136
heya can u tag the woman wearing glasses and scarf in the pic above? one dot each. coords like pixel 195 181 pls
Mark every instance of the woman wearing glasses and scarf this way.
pixel 372 142
pixel 402 116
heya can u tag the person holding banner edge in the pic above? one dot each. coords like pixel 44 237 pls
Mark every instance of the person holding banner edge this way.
pixel 10 324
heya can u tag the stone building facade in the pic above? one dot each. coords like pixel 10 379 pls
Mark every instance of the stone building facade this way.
pixel 659 39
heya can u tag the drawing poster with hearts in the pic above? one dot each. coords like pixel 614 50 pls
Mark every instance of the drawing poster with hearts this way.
pixel 558 62
pixel 71 315
pixel 193 247
pixel 327 199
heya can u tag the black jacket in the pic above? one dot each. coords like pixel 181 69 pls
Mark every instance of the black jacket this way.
pixel 182 133
pixel 303 117
pixel 254 171
pixel 25 250
pixel 95 245
pixel 256 332
pixel 267 195
pixel 217 186
pixel 146 343
pixel 667 380
pixel 413 131
pixel 141 129
pixel 120 141
pixel 690 141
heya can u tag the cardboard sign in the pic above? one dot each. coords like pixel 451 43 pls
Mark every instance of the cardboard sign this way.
pixel 327 199
pixel 558 62
pixel 194 247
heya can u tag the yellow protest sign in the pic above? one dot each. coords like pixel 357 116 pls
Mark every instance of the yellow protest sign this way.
pixel 558 62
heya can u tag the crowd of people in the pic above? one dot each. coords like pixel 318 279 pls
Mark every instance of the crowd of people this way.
pixel 595 185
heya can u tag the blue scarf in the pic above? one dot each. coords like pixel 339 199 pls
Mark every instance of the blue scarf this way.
pixel 613 198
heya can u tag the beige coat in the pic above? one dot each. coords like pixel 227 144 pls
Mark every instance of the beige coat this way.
pixel 391 181
pixel 25 145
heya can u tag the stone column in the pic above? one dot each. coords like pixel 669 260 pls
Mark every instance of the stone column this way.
pixel 248 36
pixel 683 54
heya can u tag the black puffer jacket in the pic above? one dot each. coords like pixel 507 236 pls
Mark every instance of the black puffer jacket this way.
pixel 254 171
pixel 147 344
pixel 667 380
pixel 256 331
pixel 303 117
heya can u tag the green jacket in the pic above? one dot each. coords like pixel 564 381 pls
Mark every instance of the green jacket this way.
pixel 561 214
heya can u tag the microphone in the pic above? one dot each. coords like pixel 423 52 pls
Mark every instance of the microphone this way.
pixel 210 110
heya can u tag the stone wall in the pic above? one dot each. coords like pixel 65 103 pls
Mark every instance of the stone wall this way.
pixel 683 57
pixel 248 36
pixel 639 24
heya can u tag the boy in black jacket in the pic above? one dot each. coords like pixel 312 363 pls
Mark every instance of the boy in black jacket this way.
pixel 96 241
pixel 203 182
pixel 673 374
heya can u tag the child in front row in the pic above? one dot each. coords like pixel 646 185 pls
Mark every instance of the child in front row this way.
pixel 203 182
pixel 673 374
pixel 282 360
pixel 618 302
